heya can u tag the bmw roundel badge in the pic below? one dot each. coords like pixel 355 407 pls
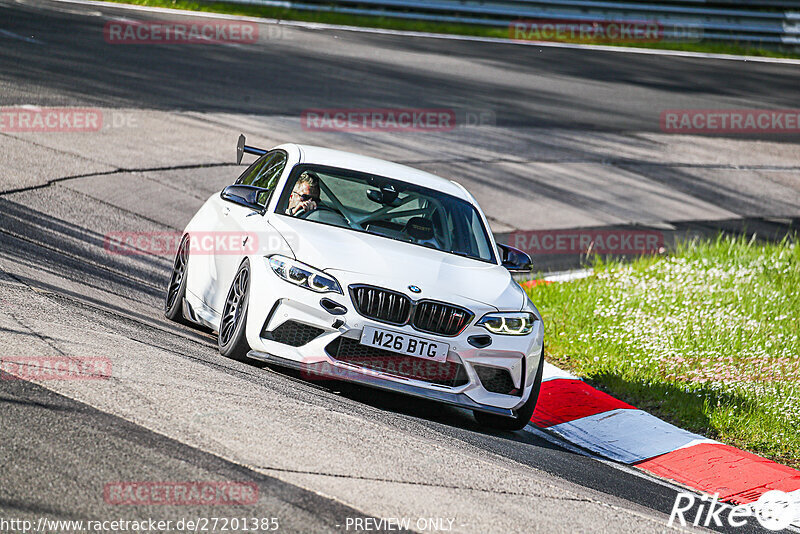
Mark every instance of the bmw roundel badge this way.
pixel 414 289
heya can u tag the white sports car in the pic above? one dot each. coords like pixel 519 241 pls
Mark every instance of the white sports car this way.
pixel 354 268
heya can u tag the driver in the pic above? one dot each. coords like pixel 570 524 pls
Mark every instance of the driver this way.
pixel 305 195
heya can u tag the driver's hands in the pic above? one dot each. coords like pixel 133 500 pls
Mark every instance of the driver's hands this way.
pixel 305 206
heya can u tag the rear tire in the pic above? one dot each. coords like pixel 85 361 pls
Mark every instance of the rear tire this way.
pixel 231 339
pixel 522 415
pixel 176 290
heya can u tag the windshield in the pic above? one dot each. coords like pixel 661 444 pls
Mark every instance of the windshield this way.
pixel 387 208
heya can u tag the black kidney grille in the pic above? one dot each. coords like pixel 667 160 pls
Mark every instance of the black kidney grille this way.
pixel 395 308
pixel 348 350
pixel 381 304
pixel 440 318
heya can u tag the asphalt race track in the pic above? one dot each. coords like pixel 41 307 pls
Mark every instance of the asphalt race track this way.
pixel 573 140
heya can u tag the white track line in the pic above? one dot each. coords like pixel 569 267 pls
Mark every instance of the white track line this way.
pixel 500 40
pixel 12 35
pixel 566 276
pixel 551 372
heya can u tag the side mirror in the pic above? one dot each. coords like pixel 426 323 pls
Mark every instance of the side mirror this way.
pixel 244 195
pixel 514 259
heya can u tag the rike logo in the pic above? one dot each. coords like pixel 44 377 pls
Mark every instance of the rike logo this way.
pixel 774 510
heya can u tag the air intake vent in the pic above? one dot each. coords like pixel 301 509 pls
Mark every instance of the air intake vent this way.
pixel 443 373
pixel 496 380
pixel 293 333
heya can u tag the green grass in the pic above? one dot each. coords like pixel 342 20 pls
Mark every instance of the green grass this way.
pixel 707 338
pixel 433 27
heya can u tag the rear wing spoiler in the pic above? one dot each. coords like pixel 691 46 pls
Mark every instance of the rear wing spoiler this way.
pixel 242 148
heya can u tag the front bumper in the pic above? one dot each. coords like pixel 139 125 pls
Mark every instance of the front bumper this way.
pixel 518 355
pixel 321 370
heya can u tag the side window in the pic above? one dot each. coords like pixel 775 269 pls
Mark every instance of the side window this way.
pixel 265 173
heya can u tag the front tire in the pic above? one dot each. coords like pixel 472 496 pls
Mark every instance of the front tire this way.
pixel 522 416
pixel 176 291
pixel 232 340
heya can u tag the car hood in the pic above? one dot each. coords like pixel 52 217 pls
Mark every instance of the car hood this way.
pixel 384 262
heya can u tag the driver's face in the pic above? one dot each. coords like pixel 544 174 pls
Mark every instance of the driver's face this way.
pixel 296 197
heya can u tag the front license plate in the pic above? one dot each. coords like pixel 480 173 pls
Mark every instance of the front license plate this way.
pixel 404 344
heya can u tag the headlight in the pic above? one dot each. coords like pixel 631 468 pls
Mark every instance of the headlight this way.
pixel 508 323
pixel 303 275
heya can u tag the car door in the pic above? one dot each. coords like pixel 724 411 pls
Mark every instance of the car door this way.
pixel 242 229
